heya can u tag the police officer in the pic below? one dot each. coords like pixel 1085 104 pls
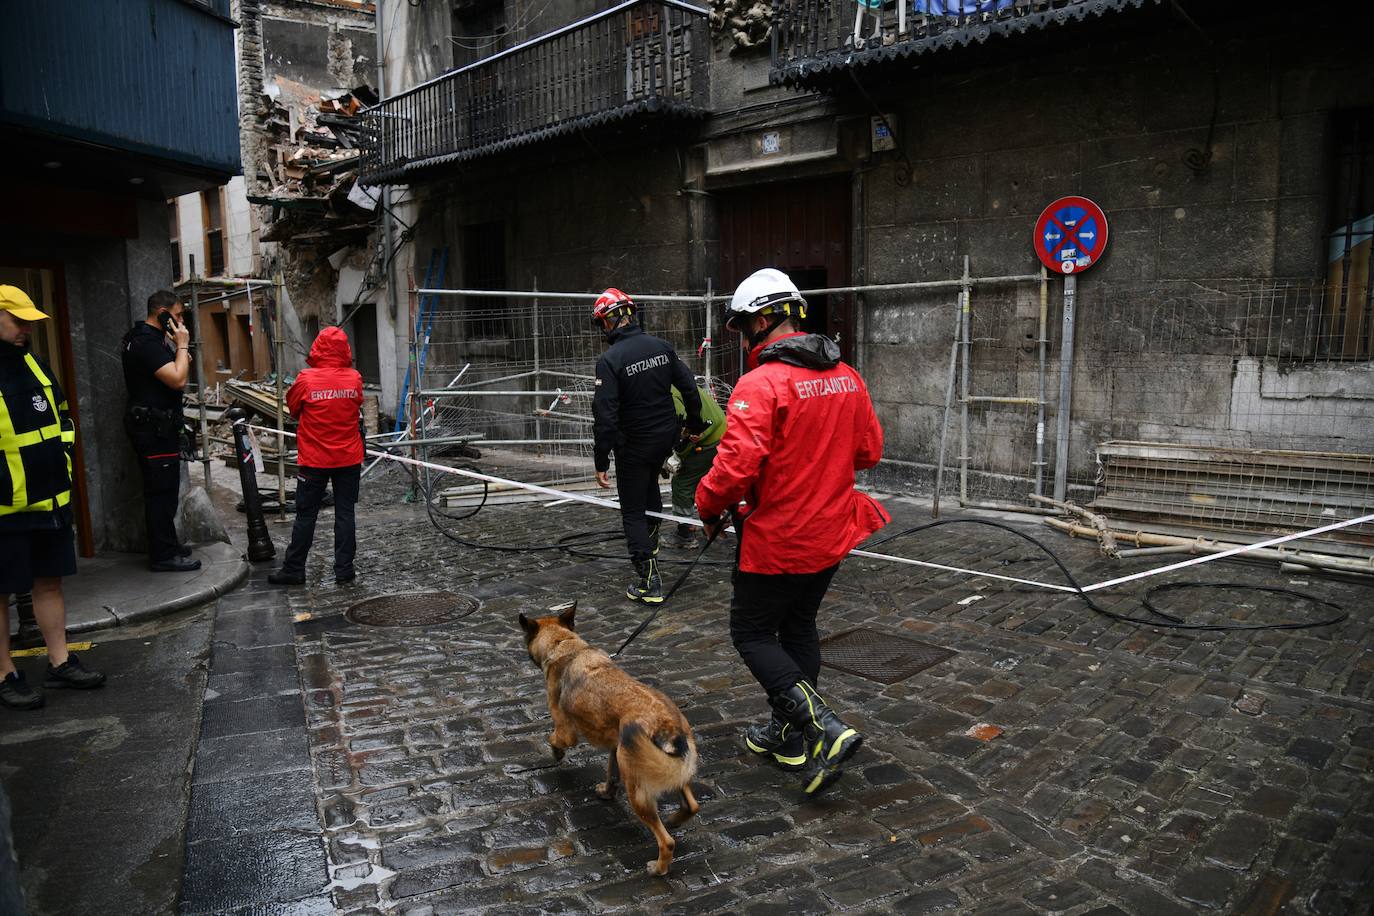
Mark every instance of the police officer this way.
pixel 635 419
pixel 157 364
pixel 36 545
pixel 798 425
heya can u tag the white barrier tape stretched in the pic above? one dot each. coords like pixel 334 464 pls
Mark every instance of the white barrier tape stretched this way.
pixel 1336 526
pixel 607 504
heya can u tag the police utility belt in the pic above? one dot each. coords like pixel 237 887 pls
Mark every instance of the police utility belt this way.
pixel 161 423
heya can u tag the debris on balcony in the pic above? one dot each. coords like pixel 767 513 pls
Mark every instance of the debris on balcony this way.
pixel 312 161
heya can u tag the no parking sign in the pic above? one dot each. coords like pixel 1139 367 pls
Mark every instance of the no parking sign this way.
pixel 1070 235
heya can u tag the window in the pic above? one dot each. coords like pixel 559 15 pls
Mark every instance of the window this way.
pixel 484 267
pixel 212 209
pixel 1348 312
pixel 362 328
pixel 174 238
pixel 220 346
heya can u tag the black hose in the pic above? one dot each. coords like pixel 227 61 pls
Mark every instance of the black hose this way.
pixel 572 544
pixel 568 543
pixel 1168 621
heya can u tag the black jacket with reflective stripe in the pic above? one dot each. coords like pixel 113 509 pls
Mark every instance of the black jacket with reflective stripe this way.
pixel 36 435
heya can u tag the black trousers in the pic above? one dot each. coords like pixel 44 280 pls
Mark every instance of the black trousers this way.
pixel 773 626
pixel 159 461
pixel 636 481
pixel 310 484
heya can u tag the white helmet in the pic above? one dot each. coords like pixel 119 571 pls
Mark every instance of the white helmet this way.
pixel 765 292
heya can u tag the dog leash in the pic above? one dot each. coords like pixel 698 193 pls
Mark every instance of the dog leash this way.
pixel 676 585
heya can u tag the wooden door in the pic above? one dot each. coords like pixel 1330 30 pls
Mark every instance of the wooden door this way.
pixel 801 228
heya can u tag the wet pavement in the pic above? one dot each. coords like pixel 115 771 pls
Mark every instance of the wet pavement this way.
pixel 1058 762
pixel 99 779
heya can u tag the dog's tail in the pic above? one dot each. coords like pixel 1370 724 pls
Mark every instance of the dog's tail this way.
pixel 664 753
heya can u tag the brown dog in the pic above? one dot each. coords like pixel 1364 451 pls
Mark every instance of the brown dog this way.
pixel 651 744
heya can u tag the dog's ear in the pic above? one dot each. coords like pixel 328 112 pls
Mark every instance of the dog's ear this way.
pixel 529 626
pixel 566 616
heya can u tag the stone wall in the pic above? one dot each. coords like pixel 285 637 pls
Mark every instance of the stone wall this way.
pixel 1211 160
pixel 989 147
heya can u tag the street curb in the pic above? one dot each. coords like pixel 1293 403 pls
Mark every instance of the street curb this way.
pixel 182 602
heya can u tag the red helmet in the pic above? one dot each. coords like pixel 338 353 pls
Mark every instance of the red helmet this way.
pixel 612 303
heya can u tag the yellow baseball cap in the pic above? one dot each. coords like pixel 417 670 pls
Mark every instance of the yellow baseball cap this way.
pixel 17 302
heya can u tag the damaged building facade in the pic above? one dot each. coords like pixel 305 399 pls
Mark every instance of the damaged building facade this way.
pixel 662 146
pixel 94 144
pixel 304 70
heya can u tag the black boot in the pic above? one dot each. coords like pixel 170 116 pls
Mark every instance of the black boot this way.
pixel 779 740
pixel 653 537
pixel 829 742
pixel 647 587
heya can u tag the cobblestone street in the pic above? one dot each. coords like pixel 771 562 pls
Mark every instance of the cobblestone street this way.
pixel 1059 762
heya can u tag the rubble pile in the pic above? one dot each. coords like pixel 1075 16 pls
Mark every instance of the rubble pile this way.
pixel 747 22
pixel 311 161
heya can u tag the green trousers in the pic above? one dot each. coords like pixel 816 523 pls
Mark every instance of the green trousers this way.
pixel 695 464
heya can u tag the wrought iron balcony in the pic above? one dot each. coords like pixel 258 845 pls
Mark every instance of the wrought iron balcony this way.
pixel 817 42
pixel 639 59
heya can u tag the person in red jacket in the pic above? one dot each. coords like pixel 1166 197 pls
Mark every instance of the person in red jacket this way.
pixel 798 425
pixel 326 400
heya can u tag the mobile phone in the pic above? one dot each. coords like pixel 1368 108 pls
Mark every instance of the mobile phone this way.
pixel 164 318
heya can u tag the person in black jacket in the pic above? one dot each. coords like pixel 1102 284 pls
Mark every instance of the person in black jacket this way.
pixel 36 545
pixel 635 418
pixel 157 364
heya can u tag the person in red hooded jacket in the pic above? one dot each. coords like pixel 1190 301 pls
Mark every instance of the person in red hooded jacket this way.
pixel 798 425
pixel 326 400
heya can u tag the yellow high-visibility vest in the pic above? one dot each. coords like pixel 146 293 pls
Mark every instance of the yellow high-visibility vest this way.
pixel 14 445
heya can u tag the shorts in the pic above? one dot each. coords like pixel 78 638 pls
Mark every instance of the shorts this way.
pixel 29 555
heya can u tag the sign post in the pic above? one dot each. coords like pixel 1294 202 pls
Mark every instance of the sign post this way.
pixel 1070 236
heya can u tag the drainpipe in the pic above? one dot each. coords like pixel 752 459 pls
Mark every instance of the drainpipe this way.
pixel 388 230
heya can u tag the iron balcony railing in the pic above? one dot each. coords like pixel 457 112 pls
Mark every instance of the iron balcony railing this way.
pixel 815 42
pixel 641 57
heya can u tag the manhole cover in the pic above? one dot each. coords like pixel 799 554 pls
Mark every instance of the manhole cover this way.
pixel 882 657
pixel 412 609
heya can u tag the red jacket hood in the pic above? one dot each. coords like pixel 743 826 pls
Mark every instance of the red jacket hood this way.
pixel 331 350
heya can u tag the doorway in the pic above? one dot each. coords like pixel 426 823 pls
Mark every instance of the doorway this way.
pixel 801 228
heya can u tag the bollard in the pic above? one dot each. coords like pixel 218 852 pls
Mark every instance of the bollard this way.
pixel 260 545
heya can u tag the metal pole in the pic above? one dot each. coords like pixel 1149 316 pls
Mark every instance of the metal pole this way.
pixel 388 231
pixel 709 342
pixel 280 287
pixel 963 387
pixel 198 343
pixel 1061 442
pixel 949 397
pixel 1042 342
pixel 538 427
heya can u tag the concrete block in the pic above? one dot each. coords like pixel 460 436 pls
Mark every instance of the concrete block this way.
pixel 1187 389
pixel 999 247
pixel 905 374
pixel 1257 155
pixel 1299 245
pixel 942 189
pixel 912 253
pixel 1303 167
pixel 1021 183
pixel 1218 241
pixel 1148 170
pixel 1314 402
pixel 1132 248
